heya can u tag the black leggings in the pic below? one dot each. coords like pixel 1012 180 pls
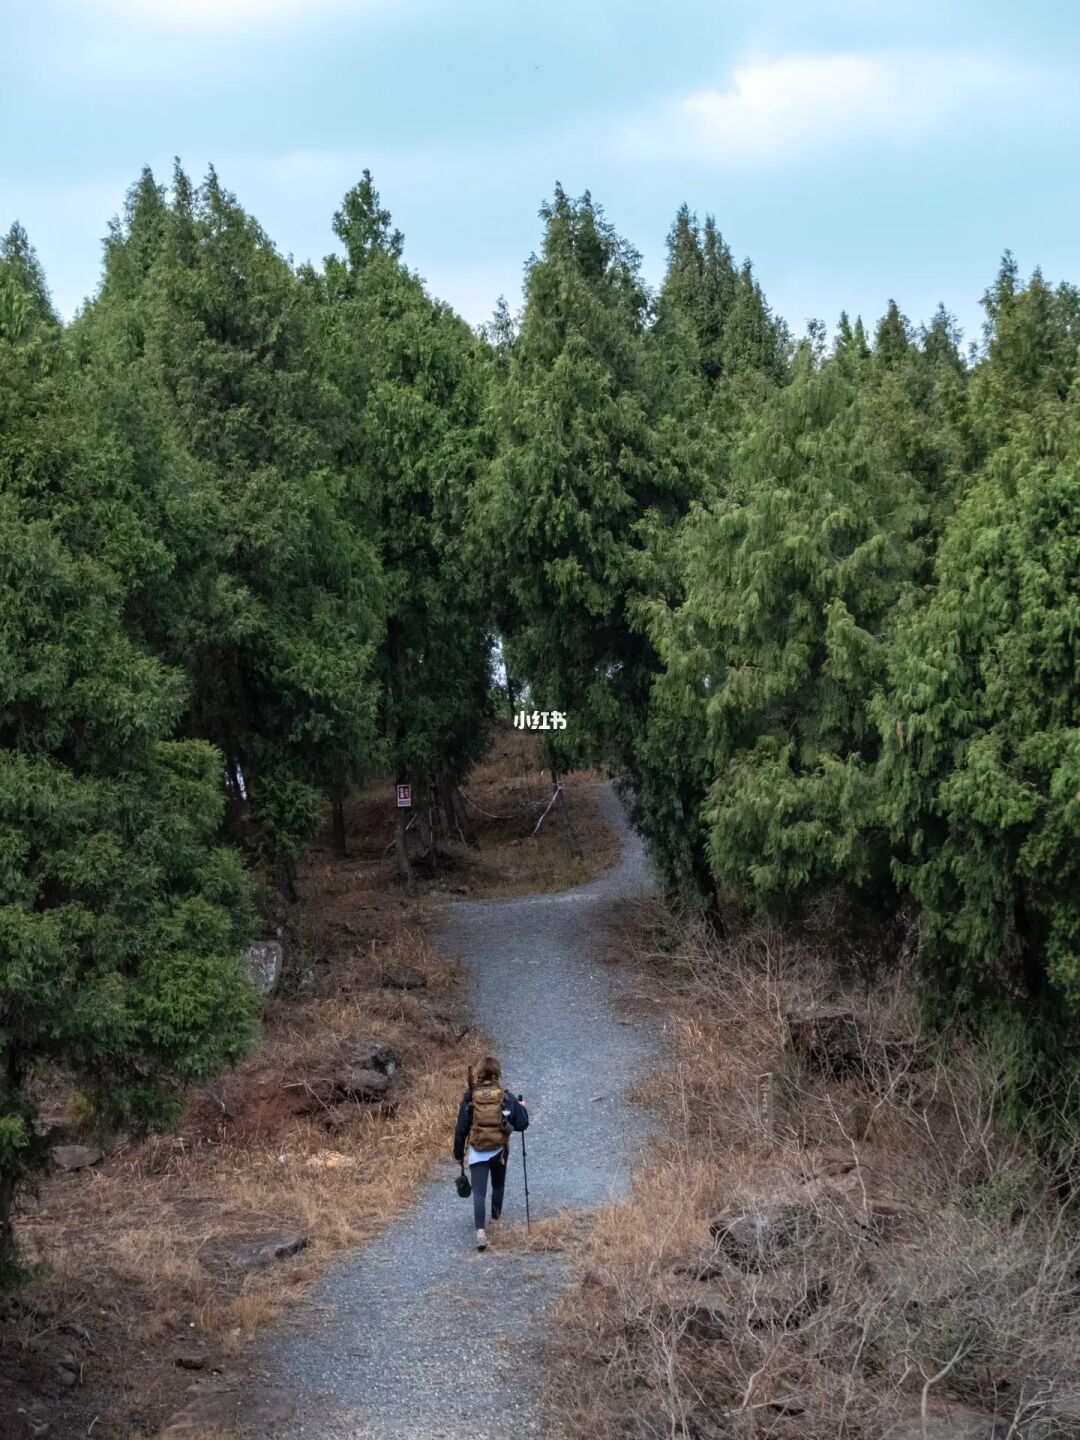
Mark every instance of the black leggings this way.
pixel 479 1173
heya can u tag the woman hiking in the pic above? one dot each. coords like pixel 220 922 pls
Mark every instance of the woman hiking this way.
pixel 487 1116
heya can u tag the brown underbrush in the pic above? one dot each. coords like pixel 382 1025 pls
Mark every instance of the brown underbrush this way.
pixel 833 1236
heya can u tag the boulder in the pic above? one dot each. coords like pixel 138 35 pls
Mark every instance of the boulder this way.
pixel 323 1092
pixel 64 1365
pixel 707 1316
pixel 265 960
pixel 189 1360
pixel 361 1084
pixel 76 1157
pixel 404 977
pixel 716 1300
pixel 755 1239
pixel 826 1040
pixel 253 1253
pixel 375 1055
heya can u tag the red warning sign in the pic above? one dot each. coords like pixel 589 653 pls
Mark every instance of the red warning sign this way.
pixel 404 797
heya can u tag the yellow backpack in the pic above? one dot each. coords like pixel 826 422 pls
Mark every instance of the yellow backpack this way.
pixel 490 1130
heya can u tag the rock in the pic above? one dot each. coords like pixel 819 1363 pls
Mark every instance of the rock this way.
pixel 887 1218
pixel 756 1239
pixel 363 1084
pixel 265 960
pixel 222 1407
pixel 376 1055
pixel 76 1157
pixel 828 1162
pixel 788 1302
pixel 36 1423
pixel 404 977
pixel 67 1368
pixel 253 1253
pixel 330 1160
pixel 706 1314
pixel 322 1092
pixel 784 1300
pixel 190 1362
pixel 826 1040
pixel 950 1422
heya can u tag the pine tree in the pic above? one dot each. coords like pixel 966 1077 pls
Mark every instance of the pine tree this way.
pixel 981 765
pixel 272 601
pixel 581 479
pixel 121 916
pixel 789 581
pixel 414 378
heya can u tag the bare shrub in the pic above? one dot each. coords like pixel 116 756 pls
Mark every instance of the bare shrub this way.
pixel 824 1244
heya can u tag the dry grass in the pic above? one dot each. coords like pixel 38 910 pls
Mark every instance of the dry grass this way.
pixel 130 1250
pixel 827 1252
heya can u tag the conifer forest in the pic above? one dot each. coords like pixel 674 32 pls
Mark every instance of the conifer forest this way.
pixel 273 532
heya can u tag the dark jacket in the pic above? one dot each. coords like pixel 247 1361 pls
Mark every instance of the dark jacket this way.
pixel 517 1119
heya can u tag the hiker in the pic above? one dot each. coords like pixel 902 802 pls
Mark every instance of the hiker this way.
pixel 487 1116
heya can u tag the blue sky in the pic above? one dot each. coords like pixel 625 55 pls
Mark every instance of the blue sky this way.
pixel 854 149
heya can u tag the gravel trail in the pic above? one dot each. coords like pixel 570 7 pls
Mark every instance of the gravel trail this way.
pixel 417 1336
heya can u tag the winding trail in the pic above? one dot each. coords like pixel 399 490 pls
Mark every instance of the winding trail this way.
pixel 416 1336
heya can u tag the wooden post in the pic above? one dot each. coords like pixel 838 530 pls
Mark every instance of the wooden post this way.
pixel 765 1103
pixel 401 850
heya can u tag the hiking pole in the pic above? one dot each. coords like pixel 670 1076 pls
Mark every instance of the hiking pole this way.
pixel 525 1168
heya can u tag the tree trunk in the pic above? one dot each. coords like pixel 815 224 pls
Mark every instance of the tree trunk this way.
pixel 7 1234
pixel 401 851
pixel 563 808
pixel 286 881
pixel 423 820
pixel 340 849
pixel 442 791
pixel 457 817
pixel 461 817
pixel 9 1178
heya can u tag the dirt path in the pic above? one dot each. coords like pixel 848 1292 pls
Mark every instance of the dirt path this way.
pixel 416 1335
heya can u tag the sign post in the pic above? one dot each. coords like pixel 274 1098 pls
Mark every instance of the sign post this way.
pixel 404 797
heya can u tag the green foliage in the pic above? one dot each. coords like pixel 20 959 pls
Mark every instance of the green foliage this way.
pixel 258 527
pixel 585 474
pixel 413 444
pixel 790 581
pixel 122 917
pixel 204 353
pixel 982 750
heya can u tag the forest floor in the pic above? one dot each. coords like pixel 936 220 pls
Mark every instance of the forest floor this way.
pixel 150 1269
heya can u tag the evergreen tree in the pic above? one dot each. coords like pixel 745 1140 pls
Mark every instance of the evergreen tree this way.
pixel 582 478
pixel 273 599
pixel 415 380
pixel 789 581
pixel 121 917
pixel 981 762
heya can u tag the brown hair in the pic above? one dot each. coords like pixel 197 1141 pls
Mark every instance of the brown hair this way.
pixel 488 1072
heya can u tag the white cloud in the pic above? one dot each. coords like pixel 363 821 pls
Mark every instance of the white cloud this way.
pixel 773 109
